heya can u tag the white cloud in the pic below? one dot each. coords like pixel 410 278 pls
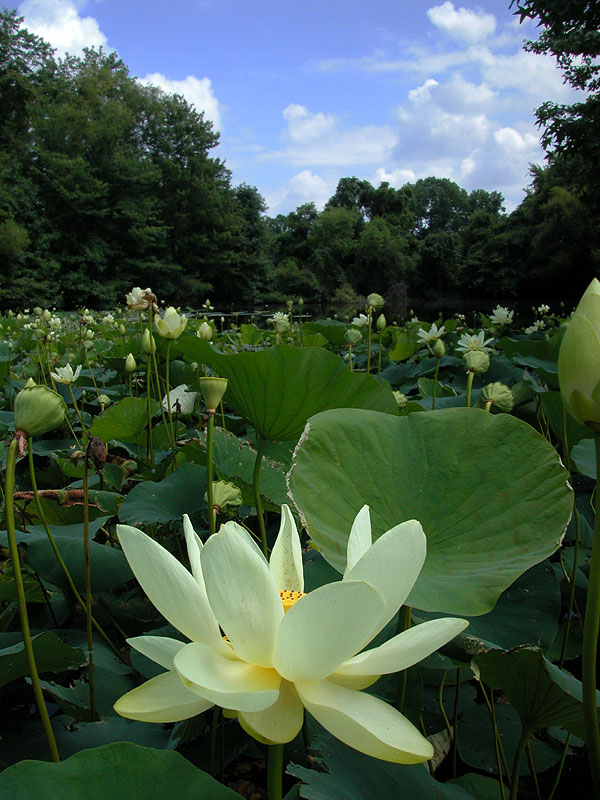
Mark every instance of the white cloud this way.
pixel 59 23
pixel 396 177
pixel 304 187
pixel 197 91
pixel 320 139
pixel 422 93
pixel 462 24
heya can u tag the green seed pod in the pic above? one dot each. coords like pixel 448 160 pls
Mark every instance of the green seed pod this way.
pixel 476 361
pixel 212 390
pixel 353 336
pixel 500 396
pixel 38 410
pixel 376 301
pixel 401 399
pixel 226 496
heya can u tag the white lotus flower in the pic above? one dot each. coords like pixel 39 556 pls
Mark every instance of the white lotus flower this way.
pixel 543 309
pixel 361 320
pixel 470 341
pixel 501 316
pixel 139 299
pixel 66 374
pixel 182 401
pixel 432 335
pixel 538 325
pixel 284 650
pixel 171 325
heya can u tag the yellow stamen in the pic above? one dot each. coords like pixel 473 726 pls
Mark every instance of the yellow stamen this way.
pixel 288 598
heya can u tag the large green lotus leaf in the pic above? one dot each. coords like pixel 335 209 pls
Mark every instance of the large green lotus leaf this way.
pixel 490 493
pixel 279 388
pixel 51 655
pixel 584 456
pixel 354 776
pixel 542 694
pixel 119 771
pixel 181 492
pixel 333 330
pixel 554 409
pixel 123 421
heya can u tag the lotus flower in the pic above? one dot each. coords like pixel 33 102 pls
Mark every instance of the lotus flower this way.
pixel 284 650
pixel 66 374
pixel 171 325
pixel 432 335
pixel 471 341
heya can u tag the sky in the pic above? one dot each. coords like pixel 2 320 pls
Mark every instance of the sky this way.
pixel 305 92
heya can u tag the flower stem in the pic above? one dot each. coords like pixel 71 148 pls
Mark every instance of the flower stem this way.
pixel 516 769
pixel 169 394
pixel 88 584
pixel 470 376
pixel 590 641
pixel 404 623
pixel 379 358
pixel 149 447
pixel 257 501
pixel 275 772
pixel 435 383
pixel 9 511
pixel 210 428
pixel 369 341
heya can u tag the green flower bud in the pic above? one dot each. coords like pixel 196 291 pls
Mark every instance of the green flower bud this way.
pixel 38 410
pixel 212 390
pixel 476 361
pixel 381 323
pixel 499 396
pixel 353 336
pixel 439 348
pixel 148 343
pixel 46 315
pixel 130 364
pixel 401 399
pixel 104 400
pixel 376 301
pixel 122 330
pixel 226 496
pixel 579 360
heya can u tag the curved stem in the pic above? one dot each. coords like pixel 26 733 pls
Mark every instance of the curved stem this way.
pixel 9 509
pixel 560 767
pixel 590 642
pixel 76 407
pixel 57 554
pixel 210 427
pixel 521 747
pixel 88 584
pixel 470 376
pixel 257 501
pixel 275 772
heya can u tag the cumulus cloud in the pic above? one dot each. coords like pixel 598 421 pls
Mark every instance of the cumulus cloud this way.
pixel 304 187
pixel 60 24
pixel 395 177
pixel 320 139
pixel 462 23
pixel 197 91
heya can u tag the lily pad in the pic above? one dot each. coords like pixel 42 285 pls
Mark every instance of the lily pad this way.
pixel 124 421
pixel 118 771
pixel 51 655
pixel 278 389
pixel 584 456
pixel 181 492
pixel 490 493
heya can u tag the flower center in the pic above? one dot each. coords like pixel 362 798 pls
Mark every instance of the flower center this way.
pixel 288 598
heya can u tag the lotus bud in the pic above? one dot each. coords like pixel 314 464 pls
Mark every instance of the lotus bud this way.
pixel 38 410
pixel 130 364
pixel 46 315
pixel 122 329
pixel 353 336
pixel 381 323
pixel 226 496
pixel 499 396
pixel 148 343
pixel 205 331
pixel 439 348
pixel 37 311
pixel 375 301
pixel 89 334
pixel 212 390
pixel 300 301
pixel 476 361
pixel 39 334
pixel 401 399
pixel 194 365
pixel 579 360
pixel 171 325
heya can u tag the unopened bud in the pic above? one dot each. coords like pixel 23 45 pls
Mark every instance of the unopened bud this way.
pixel 38 410
pixel 381 323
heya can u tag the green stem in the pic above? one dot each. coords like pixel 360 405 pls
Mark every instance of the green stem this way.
pixel 88 584
pixel 169 394
pixel 257 501
pixel 212 746
pixel 150 448
pixel 560 768
pixel 516 769
pixel 162 410
pixel 532 770
pixel 275 772
pixel 590 642
pixel 470 376
pixel 9 510
pixel 572 579
pixel 379 359
pixel 404 623
pixel 76 407
pixel 435 383
pixel 87 361
pixel 350 355
pixel 57 554
pixel 500 758
pixel 455 723
pixel 210 428
pixel 369 342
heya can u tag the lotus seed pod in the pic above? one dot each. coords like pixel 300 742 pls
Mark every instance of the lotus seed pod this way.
pixel 439 348
pixel 579 360
pixel 375 301
pixel 130 364
pixel 212 390
pixel 500 396
pixel 38 410
pixel 353 336
pixel 476 361
pixel 148 343
pixel 381 323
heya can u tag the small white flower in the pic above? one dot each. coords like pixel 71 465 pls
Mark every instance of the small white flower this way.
pixel 538 325
pixel 281 321
pixel 415 319
pixel 66 374
pixel 470 341
pixel 360 320
pixel 432 335
pixel 501 316
pixel 543 309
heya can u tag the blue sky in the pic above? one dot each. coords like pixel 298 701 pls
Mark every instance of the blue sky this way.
pixel 305 92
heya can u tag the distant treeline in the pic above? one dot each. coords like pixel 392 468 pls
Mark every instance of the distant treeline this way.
pixel 106 184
